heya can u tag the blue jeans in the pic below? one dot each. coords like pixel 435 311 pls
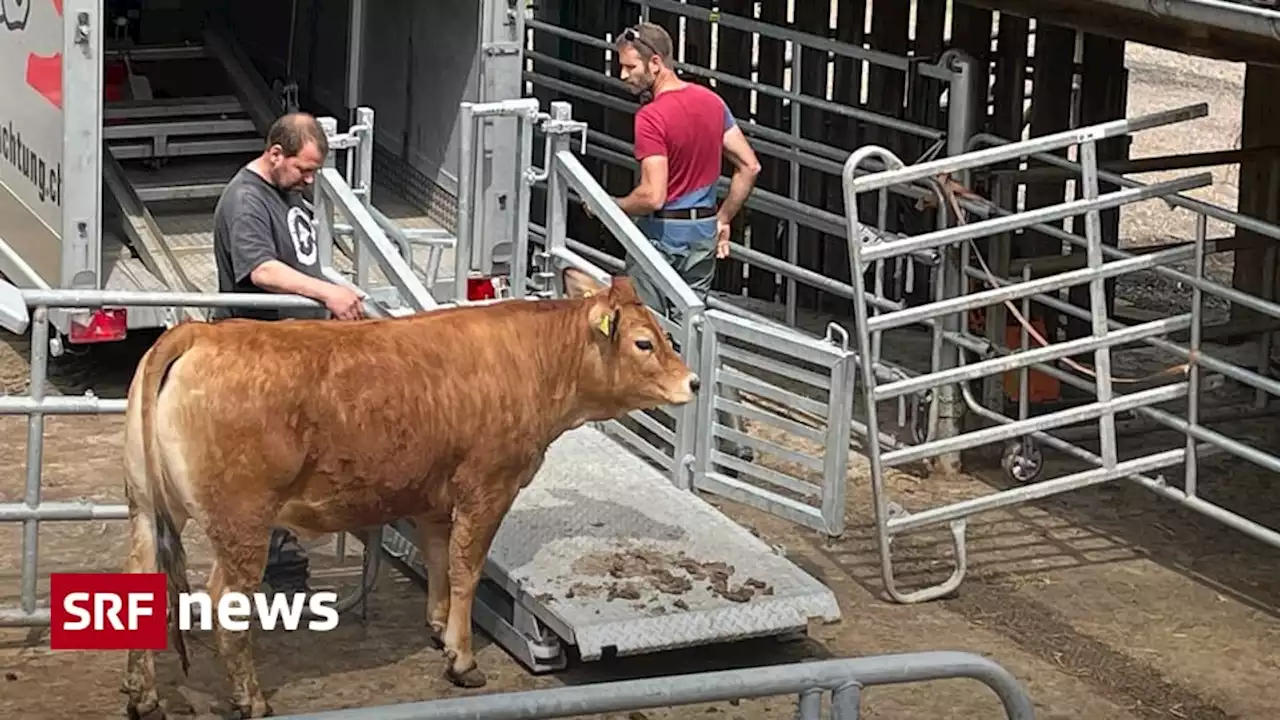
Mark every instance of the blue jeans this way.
pixel 689 246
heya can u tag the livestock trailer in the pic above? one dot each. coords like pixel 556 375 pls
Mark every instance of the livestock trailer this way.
pixel 125 118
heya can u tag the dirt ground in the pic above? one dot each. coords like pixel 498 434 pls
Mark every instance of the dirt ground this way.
pixel 1108 604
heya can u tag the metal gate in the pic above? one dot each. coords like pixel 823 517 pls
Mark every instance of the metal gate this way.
pixel 796 385
pixel 959 261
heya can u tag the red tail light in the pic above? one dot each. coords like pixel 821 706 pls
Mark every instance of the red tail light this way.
pixel 102 325
pixel 485 288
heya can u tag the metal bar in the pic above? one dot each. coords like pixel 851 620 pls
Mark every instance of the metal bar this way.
pixel 35 456
pixel 1098 302
pixel 789 679
pixel 1226 14
pixel 467 144
pixel 1013 151
pixel 138 298
pixel 1070 416
pixel 16 617
pixel 1234 372
pixel 1051 213
pixel 813 42
pixel 125 131
pixel 60 405
pixel 172 107
pixel 1038 491
pixel 1014 291
pixel 803 347
pixel 622 227
pixel 1014 361
pixel 61 511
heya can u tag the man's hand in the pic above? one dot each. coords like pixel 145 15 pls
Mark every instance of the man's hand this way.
pixel 723 230
pixel 344 303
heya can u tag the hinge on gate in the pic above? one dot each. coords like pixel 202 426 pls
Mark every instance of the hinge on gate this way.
pixel 82 28
pixel 496 49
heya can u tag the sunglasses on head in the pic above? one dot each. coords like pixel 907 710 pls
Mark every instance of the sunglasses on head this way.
pixel 632 35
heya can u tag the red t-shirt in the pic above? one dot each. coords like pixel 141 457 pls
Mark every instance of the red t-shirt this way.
pixel 687 126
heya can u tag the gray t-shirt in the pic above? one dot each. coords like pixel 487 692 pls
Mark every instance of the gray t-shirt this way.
pixel 254 222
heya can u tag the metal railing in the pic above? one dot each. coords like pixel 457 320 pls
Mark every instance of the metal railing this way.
pixel 344 208
pixel 951 338
pixel 843 680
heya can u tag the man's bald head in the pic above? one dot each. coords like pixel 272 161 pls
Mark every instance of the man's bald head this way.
pixel 296 148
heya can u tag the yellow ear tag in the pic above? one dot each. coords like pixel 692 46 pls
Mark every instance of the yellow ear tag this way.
pixel 606 321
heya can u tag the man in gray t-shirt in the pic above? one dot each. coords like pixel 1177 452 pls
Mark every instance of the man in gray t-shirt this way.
pixel 264 242
pixel 263 236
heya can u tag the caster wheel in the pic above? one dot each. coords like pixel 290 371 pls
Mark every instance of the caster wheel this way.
pixel 1022 461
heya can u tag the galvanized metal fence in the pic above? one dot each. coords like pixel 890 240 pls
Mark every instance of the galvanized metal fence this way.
pixel 843 680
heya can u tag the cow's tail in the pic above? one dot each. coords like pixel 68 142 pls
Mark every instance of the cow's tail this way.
pixel 171 557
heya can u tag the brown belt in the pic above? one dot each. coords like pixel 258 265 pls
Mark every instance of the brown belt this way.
pixel 686 214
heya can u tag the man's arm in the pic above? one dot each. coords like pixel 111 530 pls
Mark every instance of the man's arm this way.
pixel 745 169
pixel 651 150
pixel 651 193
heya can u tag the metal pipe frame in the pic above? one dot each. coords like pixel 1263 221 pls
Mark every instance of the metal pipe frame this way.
pixel 32 510
pixel 844 679
pixel 952 298
pixel 1201 441
pixel 369 234
pixel 471 254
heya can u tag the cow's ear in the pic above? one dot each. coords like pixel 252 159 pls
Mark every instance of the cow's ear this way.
pixel 604 319
pixel 578 284
pixel 623 291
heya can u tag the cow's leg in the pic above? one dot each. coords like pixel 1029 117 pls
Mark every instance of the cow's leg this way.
pixel 241 556
pixel 476 520
pixel 433 536
pixel 139 684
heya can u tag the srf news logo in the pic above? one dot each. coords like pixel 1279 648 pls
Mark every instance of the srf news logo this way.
pixel 129 611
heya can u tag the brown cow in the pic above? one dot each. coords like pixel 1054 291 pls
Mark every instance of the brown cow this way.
pixel 327 427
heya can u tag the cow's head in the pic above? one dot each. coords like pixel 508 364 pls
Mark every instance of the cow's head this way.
pixel 630 361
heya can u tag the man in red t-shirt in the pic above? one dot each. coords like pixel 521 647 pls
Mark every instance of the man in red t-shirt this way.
pixel 682 133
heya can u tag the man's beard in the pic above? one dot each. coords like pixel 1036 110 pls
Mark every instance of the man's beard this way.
pixel 644 93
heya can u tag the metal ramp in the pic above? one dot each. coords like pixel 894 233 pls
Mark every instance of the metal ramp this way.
pixel 603 553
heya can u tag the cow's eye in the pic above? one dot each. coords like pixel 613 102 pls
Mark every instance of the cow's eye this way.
pixel 644 345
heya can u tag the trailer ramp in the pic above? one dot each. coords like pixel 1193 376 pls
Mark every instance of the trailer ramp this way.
pixel 602 552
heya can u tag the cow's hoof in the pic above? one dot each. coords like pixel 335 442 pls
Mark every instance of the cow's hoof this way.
pixel 473 678
pixel 150 710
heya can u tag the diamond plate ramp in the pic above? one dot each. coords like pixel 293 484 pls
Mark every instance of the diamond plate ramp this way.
pixel 618 559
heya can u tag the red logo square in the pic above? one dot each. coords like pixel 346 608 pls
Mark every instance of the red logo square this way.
pixel 108 611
